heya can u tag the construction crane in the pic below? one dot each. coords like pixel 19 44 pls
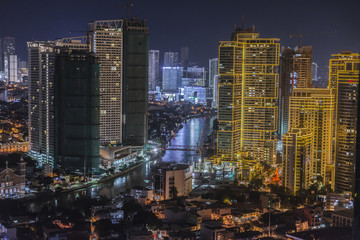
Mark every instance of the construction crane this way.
pixel 300 35
pixel 128 6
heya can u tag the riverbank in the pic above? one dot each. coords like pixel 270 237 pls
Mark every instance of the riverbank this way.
pixel 45 195
pixel 119 174
pixel 194 131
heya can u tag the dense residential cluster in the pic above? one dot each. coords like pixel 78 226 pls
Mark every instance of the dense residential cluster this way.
pixel 175 209
pixel 86 123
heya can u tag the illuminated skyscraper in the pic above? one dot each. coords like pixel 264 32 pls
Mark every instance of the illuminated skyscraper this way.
pixel 344 77
pixel 315 71
pixel 194 76
pixel 8 49
pixel 295 72
pixel 41 101
pixel 13 69
pixel 248 93
pixel 1 56
pixel 154 69
pixel 107 44
pixel 171 78
pixel 64 105
pixel 338 63
pixel 213 71
pixel 298 152
pixel 314 109
pixel 171 59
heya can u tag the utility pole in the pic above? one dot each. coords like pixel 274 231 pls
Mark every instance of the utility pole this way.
pixel 269 208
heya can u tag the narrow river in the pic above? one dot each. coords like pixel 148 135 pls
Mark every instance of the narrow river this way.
pixel 194 131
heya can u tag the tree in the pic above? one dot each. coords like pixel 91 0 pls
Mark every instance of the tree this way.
pixel 173 192
pixel 256 183
pixel 103 227
pixel 111 170
pixel 147 218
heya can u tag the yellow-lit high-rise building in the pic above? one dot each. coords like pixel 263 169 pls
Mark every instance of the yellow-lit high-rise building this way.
pixel 298 151
pixel 344 74
pixel 314 109
pixel 247 96
pixel 337 63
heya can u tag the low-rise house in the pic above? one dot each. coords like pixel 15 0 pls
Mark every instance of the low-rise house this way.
pixel 142 194
pixel 8 231
pixel 219 210
pixel 12 180
pixel 337 201
pixel 212 230
pixel 269 200
pixel 314 215
pixel 182 236
pixel 140 235
pixel 241 215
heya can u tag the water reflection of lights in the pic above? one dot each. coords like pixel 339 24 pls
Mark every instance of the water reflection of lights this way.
pixel 142 173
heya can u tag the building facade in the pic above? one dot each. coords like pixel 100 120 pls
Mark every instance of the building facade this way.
pixel 166 178
pixel 247 96
pixel 77 106
pixel 12 180
pixel 41 101
pixel 171 59
pixel 172 79
pixel 314 109
pixel 344 73
pixel 107 44
pixel 194 76
pixel 213 71
pixel 135 82
pixel 295 72
pixel 8 49
pixel 298 152
pixel 154 69
pixel 195 94
pixel 64 105
pixel 13 69
pixel 1 56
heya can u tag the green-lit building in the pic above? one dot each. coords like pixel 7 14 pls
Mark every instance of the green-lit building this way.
pixel 135 82
pixel 77 103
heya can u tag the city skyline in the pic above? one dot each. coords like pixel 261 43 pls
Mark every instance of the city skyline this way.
pixel 327 27
pixel 173 120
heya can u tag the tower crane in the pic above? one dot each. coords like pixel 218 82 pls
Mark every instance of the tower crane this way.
pixel 300 35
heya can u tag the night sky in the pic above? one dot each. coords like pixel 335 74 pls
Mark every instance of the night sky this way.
pixel 329 26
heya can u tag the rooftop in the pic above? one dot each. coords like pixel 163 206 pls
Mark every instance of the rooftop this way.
pixel 332 233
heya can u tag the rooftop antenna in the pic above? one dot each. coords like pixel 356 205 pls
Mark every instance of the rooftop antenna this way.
pixel 242 22
pixel 128 6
